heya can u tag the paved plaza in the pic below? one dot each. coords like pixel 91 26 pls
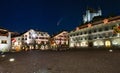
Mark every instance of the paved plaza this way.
pixel 82 61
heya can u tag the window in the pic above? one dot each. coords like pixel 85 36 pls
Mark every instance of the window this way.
pixel 85 32
pixel 89 31
pixel 85 38
pixel 18 38
pixel 4 42
pixel 100 36
pixel 29 33
pixel 106 28
pixel 77 34
pixel 46 34
pixel 112 26
pixel 114 35
pixel 94 30
pixel 25 38
pixel 22 38
pixel 71 35
pixel 81 38
pixel 36 37
pixel 95 37
pixel 42 34
pixel 109 34
pixel 89 37
pixel 25 35
pixel 80 33
pixel 29 37
pixel 100 29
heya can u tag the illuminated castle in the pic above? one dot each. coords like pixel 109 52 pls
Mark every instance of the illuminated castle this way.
pixel 90 14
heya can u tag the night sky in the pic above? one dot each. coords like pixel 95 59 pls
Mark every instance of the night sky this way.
pixel 50 16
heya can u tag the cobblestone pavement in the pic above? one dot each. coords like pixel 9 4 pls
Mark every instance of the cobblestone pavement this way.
pixel 35 61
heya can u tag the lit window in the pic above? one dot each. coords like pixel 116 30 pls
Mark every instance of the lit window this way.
pixel 4 42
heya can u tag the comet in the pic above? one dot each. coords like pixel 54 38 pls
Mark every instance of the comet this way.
pixel 58 23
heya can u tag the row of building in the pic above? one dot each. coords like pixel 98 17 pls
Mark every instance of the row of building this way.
pixel 94 32
pixel 31 39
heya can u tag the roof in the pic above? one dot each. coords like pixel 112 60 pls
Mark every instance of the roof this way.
pixel 98 21
pixel 91 10
pixel 3 29
pixel 32 29
pixel 58 33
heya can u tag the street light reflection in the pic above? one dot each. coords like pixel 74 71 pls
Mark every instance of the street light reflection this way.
pixel 110 50
pixel 3 55
pixel 11 59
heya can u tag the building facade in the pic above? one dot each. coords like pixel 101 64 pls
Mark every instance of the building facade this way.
pixel 5 42
pixel 90 14
pixel 59 40
pixel 17 43
pixel 33 39
pixel 97 34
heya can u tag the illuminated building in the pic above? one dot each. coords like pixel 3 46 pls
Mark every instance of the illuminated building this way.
pixel 60 40
pixel 90 14
pixel 33 39
pixel 17 43
pixel 96 34
pixel 5 40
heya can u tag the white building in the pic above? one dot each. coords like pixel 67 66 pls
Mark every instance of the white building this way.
pixel 5 42
pixel 33 39
pixel 90 14
pixel 96 34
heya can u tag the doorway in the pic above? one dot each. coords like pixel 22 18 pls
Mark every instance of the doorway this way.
pixel 107 43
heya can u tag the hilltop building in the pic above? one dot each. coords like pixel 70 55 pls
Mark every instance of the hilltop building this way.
pixel 90 14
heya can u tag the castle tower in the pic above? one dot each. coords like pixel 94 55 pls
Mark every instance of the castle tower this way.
pixel 90 14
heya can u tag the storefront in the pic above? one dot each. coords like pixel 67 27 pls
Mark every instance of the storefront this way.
pixel 84 44
pixel 98 43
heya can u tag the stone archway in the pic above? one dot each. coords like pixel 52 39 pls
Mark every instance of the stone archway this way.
pixel 84 44
pixel 107 43
pixel 98 43
pixel 116 42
